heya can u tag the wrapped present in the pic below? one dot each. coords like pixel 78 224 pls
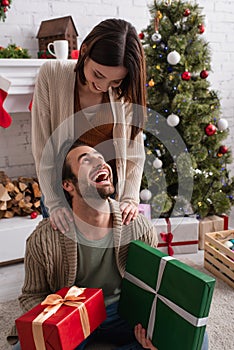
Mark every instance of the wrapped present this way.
pixel 211 223
pixel 177 235
pixel 145 209
pixel 169 298
pixel 225 221
pixel 63 320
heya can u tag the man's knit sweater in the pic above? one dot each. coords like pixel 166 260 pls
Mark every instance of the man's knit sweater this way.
pixel 51 257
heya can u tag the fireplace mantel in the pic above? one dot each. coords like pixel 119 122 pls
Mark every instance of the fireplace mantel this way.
pixel 21 74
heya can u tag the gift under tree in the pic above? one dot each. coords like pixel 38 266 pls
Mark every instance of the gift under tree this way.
pixel 186 163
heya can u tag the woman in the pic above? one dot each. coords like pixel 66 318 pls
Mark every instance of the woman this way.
pixel 100 100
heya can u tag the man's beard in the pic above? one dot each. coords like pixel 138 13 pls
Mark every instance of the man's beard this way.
pixel 91 192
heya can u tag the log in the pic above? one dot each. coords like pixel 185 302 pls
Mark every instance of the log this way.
pixel 19 197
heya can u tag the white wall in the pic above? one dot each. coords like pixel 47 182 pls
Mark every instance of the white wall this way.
pixel 21 27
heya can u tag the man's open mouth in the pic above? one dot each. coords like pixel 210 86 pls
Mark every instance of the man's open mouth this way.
pixel 101 177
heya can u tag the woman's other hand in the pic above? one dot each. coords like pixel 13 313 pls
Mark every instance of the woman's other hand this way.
pixel 129 212
pixel 140 335
pixel 60 219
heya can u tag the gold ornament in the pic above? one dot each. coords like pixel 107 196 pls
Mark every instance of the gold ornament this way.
pixel 158 67
pixel 154 46
pixel 159 14
pixel 151 83
pixel 199 204
pixel 170 77
pixel 149 152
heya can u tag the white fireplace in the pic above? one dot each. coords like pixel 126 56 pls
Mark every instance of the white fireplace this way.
pixel 20 75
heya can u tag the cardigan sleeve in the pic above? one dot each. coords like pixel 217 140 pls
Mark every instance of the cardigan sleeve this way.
pixel 133 164
pixel 52 113
pixel 134 170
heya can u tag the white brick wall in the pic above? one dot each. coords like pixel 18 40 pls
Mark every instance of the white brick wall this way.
pixel 21 27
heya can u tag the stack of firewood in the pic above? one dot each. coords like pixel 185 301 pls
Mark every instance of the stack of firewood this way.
pixel 18 197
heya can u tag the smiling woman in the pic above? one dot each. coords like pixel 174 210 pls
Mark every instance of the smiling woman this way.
pixel 101 78
pixel 99 100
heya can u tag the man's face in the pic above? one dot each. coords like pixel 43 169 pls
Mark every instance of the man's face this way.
pixel 93 173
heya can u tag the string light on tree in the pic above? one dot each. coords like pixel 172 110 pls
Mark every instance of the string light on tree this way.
pixel 173 120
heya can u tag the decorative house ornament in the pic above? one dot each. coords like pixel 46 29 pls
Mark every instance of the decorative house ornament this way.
pixel 62 28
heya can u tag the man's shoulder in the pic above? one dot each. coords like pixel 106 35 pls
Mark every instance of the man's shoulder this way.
pixel 142 220
pixel 43 228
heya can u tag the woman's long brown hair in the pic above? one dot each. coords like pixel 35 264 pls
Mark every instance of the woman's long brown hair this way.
pixel 115 42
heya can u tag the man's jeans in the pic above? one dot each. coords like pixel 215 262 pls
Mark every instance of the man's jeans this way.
pixel 115 331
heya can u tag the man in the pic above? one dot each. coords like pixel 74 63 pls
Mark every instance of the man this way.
pixel 93 253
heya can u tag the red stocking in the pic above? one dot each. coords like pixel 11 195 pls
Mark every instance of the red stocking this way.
pixel 5 118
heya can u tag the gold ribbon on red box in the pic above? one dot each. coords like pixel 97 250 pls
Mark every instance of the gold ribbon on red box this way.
pixel 54 302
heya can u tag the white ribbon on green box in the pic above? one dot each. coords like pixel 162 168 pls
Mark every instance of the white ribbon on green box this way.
pixel 195 321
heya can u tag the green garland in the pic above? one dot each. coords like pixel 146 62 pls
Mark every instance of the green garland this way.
pixel 13 51
pixel 4 7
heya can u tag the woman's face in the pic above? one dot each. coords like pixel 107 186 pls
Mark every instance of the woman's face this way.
pixel 99 78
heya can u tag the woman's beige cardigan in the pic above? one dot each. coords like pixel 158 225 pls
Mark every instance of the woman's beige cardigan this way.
pixel 53 125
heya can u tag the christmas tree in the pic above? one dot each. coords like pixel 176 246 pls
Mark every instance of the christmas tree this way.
pixel 186 160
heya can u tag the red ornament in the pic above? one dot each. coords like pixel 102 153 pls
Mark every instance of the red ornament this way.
pixel 204 74
pixel 141 35
pixel 186 75
pixel 33 215
pixel 75 54
pixel 5 3
pixel 201 28
pixel 210 129
pixel 186 12
pixel 223 149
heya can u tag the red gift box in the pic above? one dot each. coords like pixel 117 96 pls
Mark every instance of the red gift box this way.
pixel 66 328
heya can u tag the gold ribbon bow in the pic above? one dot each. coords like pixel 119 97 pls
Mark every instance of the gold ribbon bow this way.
pixel 54 302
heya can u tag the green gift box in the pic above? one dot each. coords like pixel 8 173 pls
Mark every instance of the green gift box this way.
pixel 169 298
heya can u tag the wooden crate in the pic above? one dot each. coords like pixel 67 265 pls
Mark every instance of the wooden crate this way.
pixel 219 259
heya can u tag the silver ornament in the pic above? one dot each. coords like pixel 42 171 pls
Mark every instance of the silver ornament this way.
pixel 156 37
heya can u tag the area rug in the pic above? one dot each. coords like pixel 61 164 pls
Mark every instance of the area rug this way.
pixel 220 325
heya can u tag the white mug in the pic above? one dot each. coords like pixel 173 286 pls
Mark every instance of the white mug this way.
pixel 60 49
